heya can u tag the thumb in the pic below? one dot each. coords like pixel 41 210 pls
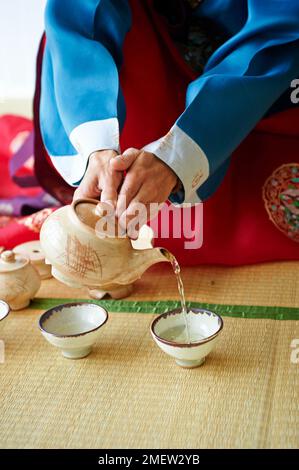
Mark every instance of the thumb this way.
pixel 124 161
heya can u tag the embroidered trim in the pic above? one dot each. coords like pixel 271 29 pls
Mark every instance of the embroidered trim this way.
pixel 281 198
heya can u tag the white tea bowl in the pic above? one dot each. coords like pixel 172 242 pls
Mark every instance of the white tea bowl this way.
pixel 73 327
pixel 204 327
pixel 4 311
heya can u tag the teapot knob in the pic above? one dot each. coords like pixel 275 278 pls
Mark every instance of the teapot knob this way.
pixel 8 256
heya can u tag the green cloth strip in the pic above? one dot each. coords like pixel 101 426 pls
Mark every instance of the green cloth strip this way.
pixel 160 306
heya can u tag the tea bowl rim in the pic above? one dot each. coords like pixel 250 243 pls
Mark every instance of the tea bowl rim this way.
pixel 185 345
pixel 8 309
pixel 58 308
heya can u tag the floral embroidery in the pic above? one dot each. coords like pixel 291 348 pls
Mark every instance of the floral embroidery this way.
pixel 281 197
pixel 34 222
pixel 194 3
pixel 195 38
pixel 199 44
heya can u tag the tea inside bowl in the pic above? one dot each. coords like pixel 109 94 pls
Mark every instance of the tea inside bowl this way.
pixel 202 325
pixel 179 334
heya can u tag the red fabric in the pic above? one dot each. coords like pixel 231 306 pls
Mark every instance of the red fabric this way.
pixel 13 130
pixel 236 228
pixel 16 230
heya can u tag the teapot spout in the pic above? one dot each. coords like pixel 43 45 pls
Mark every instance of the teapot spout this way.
pixel 138 262
pixel 144 259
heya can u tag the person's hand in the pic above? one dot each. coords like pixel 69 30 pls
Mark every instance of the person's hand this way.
pixel 100 180
pixel 148 180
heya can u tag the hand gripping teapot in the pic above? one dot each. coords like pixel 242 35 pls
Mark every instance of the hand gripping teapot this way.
pixel 83 255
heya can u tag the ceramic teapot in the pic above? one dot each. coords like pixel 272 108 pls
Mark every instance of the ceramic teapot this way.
pixel 19 280
pixel 83 255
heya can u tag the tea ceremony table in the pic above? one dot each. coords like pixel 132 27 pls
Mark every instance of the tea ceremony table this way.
pixel 129 394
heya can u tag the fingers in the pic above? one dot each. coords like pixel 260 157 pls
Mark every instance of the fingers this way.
pixel 118 164
pixel 88 188
pixel 109 194
pixel 134 218
pixel 136 214
pixel 128 191
pixel 97 169
pixel 124 161
pixel 110 187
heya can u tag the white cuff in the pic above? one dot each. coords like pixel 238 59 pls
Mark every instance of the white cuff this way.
pixel 71 167
pixel 86 138
pixel 185 157
pixel 96 135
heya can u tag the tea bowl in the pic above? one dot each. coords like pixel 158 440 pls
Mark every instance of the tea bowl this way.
pixel 73 327
pixel 204 327
pixel 4 311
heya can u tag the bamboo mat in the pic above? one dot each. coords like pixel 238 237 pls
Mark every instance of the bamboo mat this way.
pixel 128 394
pixel 274 284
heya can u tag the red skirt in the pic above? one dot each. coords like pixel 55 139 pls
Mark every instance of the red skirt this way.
pixel 252 216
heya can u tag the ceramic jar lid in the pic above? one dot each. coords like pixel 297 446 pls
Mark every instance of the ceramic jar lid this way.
pixel 34 252
pixel 31 250
pixel 10 261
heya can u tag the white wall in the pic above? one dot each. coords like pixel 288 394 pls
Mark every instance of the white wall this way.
pixel 21 26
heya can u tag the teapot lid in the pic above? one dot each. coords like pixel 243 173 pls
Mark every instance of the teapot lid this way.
pixel 10 261
pixel 85 209
pixel 91 212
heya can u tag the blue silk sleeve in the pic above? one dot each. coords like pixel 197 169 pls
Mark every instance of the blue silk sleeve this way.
pixel 80 82
pixel 241 81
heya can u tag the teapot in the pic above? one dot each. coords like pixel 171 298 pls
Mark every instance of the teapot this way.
pixel 19 280
pixel 82 255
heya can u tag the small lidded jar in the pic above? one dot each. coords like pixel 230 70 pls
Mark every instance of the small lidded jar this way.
pixel 19 280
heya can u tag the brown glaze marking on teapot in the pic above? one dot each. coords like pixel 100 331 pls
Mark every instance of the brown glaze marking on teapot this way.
pixel 82 255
